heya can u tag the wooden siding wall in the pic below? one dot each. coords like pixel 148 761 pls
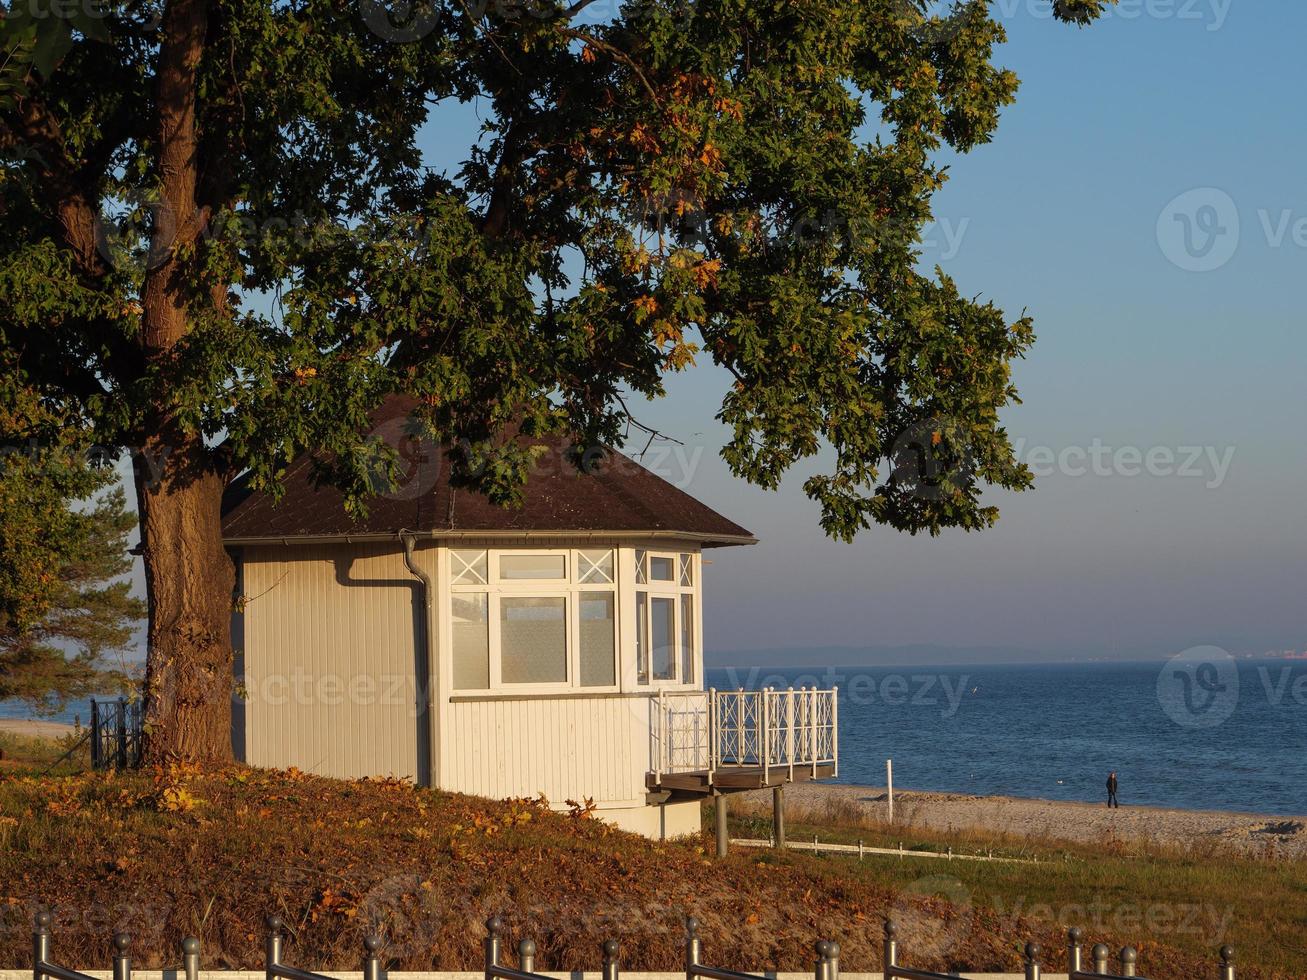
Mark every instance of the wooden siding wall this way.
pixel 331 666
pixel 566 748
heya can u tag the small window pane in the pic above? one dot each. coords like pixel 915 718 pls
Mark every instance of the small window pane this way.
pixel 662 621
pixel 537 566
pixel 468 567
pixel 640 576
pixel 687 639
pixel 533 640
pixel 641 637
pixel 471 641
pixel 598 663
pixel 595 566
pixel 687 569
pixel 660 569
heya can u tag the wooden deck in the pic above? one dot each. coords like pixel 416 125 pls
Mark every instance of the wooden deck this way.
pixel 734 779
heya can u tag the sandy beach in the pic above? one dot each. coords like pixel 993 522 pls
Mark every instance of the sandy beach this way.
pixel 33 728
pixel 1198 831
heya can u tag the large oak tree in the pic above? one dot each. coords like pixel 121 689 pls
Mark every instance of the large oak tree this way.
pixel 219 247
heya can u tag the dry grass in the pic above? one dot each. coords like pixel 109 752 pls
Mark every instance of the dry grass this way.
pixel 170 854
pixel 1194 898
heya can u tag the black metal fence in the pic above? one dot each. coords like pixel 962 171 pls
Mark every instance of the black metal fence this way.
pixel 827 965
pixel 116 734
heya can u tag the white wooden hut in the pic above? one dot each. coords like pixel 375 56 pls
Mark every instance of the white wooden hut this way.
pixel 553 649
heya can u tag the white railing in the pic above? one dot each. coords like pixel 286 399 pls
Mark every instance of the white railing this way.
pixel 705 731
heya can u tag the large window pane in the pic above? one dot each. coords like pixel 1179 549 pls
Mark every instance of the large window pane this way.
pixel 536 566
pixel 471 641
pixel 533 640
pixel 662 623
pixel 687 639
pixel 660 569
pixel 641 637
pixel 598 667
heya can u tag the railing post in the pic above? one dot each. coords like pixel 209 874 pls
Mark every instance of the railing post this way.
pixel 1227 963
pixel 121 722
pixel 828 960
pixel 1074 963
pixel 891 949
pixel 122 963
pixel 95 735
pixel 789 730
pixel 1128 959
pixel 272 950
pixel 692 947
pixel 1100 953
pixel 371 962
pixel 812 729
pixel 41 944
pixel 1032 961
pixel 494 929
pixel 739 728
pixel 835 727
pixel 611 950
pixel 191 958
pixel 714 750
pixel 764 742
pixel 526 956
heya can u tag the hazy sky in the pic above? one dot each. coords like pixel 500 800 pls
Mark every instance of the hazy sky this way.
pixel 1061 215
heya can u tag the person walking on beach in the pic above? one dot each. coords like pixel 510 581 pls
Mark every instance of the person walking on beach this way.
pixel 1111 791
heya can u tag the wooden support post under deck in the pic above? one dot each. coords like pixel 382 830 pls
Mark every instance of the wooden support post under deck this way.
pixel 723 839
pixel 778 814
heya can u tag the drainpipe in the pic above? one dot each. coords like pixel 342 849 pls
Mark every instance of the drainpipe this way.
pixel 429 651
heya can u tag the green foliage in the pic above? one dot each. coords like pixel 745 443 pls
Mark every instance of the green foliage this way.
pixel 741 180
pixel 64 607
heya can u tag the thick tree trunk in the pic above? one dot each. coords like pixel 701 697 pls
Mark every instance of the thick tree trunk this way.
pixel 189 580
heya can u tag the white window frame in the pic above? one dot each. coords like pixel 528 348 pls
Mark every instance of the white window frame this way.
pixel 568 589
pixel 671 590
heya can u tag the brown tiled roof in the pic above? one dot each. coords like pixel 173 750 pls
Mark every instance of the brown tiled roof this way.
pixel 616 494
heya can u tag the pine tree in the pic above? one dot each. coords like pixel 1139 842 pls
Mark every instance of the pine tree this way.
pixel 66 608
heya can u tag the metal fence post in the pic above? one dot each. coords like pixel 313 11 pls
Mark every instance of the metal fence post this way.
pixel 891 949
pixel 191 958
pixel 371 962
pixel 95 735
pixel 41 943
pixel 828 960
pixel 611 950
pixel 1227 963
pixel 1129 957
pixel 122 963
pixel 272 950
pixel 692 947
pixel 494 928
pixel 1033 953
pixel 1074 963
pixel 526 956
pixel 1100 953
pixel 120 720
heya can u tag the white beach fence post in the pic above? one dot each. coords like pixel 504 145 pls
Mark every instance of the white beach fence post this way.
pixel 889 783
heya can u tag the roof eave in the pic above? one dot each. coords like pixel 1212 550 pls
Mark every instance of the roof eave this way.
pixel 373 537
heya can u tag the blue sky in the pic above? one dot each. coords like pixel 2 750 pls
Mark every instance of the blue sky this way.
pixel 1167 112
pixel 1061 216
